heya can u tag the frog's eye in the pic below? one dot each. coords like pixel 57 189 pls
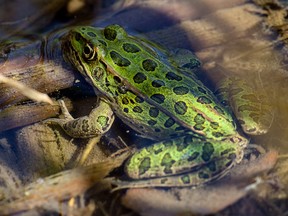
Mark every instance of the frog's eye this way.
pixel 89 53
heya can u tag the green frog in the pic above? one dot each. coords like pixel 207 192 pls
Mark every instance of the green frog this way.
pixel 157 94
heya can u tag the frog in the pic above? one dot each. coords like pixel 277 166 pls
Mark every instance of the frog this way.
pixel 158 94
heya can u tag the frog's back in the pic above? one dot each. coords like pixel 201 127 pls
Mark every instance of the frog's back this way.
pixel 154 96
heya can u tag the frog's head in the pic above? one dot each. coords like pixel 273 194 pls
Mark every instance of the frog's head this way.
pixel 85 47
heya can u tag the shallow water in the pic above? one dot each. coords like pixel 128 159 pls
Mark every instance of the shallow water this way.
pixel 226 47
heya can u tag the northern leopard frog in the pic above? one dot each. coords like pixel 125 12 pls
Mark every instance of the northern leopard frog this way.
pixel 160 97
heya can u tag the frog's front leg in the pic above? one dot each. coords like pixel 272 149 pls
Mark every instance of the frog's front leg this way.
pixel 183 161
pixel 96 123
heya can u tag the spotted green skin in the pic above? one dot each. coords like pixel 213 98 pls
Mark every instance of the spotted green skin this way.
pixel 160 98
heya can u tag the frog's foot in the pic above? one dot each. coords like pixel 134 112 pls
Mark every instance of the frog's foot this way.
pixel 65 112
pixel 253 151
pixel 95 124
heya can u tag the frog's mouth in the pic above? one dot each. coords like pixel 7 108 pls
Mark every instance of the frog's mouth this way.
pixel 71 56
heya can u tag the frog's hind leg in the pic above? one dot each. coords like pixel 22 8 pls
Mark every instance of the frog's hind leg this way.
pixel 183 161
pixel 249 103
pixel 197 177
